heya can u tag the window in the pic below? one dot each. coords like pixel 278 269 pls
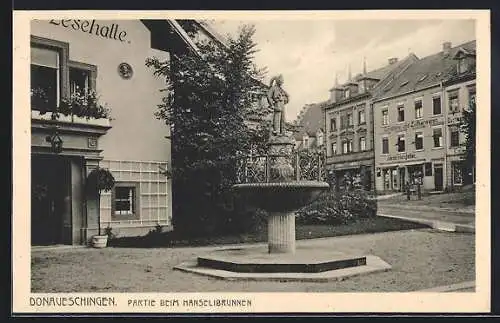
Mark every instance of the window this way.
pixel 418 109
pixel 361 117
pixel 436 105
pixel 385 145
pixel 453 101
pixel 472 95
pixel 333 124
pixel 401 113
pixel 334 148
pixel 362 144
pixel 349 120
pixel 346 146
pixel 419 141
pixel 82 77
pixel 385 117
pixel 46 74
pixel 124 200
pixel 437 134
pixel 401 143
pixel 454 137
pixel 343 122
pixel 79 81
pixel 54 76
pixel 428 169
pixel 305 142
pixel 319 137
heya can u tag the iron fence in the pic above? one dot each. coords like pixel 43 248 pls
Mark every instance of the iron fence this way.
pixel 256 168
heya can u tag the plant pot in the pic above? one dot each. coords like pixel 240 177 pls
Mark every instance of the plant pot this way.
pixel 99 241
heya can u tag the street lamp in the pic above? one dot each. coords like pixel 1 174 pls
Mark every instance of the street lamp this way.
pixel 56 142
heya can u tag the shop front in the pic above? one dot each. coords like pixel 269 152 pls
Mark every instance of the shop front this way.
pixel 359 174
pixel 396 177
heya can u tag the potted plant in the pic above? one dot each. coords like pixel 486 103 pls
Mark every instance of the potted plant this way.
pixel 102 180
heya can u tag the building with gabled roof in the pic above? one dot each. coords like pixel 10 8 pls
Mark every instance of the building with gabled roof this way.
pixel 310 127
pixel 348 120
pixel 417 117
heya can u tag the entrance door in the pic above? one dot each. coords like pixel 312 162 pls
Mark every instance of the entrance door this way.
pixel 402 179
pixel 50 200
pixel 438 177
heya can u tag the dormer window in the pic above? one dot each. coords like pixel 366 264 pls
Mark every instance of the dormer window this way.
pixel 465 61
pixel 362 87
pixel 463 65
pixel 347 93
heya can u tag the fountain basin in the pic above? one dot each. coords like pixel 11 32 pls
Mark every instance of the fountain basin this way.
pixel 281 196
pixel 280 200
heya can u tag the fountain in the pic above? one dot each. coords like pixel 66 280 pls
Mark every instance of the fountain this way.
pixel 281 196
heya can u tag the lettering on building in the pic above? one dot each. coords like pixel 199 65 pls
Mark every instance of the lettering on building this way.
pixel 400 157
pixel 108 31
pixel 454 120
pixel 414 124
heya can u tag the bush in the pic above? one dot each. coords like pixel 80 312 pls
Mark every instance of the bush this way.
pixel 338 208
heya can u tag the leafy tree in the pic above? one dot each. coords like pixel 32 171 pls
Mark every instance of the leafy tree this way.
pixel 468 127
pixel 206 102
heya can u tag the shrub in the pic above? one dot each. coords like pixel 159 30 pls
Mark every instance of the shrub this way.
pixel 338 208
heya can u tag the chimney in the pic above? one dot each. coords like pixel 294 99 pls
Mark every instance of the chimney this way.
pixel 446 47
pixel 393 60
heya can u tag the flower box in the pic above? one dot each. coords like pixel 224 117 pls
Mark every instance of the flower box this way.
pixel 70 119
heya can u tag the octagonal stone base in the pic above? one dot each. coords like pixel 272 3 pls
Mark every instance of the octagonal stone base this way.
pixel 306 264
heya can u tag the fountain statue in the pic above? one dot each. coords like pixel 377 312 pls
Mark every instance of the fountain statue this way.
pixel 277 98
pixel 281 195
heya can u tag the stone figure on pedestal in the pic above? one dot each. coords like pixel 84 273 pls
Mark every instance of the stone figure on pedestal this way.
pixel 277 98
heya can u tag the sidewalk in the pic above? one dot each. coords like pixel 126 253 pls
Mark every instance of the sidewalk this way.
pixel 437 218
pixel 468 211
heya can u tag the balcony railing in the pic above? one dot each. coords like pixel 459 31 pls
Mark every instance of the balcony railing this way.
pixel 256 169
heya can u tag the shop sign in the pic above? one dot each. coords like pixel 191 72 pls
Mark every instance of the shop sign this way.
pixel 413 124
pixel 401 157
pixel 108 31
pixel 454 120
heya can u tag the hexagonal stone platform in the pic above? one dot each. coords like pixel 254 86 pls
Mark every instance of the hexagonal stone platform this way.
pixel 306 264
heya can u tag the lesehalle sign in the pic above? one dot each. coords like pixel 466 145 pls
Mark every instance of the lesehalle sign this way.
pixel 109 31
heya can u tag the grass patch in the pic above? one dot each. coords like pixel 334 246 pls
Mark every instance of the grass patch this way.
pixel 361 226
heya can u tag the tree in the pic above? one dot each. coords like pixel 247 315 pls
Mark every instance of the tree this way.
pixel 206 101
pixel 468 127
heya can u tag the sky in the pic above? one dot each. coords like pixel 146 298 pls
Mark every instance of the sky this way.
pixel 309 53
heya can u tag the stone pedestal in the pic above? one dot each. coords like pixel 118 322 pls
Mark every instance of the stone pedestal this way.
pixel 281 232
pixel 280 150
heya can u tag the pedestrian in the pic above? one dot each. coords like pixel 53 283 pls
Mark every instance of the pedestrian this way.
pixel 408 190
